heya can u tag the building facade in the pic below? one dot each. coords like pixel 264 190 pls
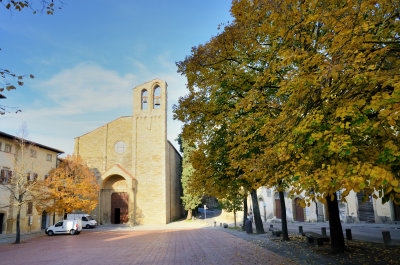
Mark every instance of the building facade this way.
pixel 35 161
pixel 138 169
pixel 354 210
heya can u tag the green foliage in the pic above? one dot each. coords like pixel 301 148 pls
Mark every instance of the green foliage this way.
pixel 190 201
pixel 233 202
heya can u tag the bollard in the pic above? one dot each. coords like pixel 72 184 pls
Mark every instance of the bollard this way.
pixel 220 224
pixel 192 218
pixel 349 236
pixel 387 240
pixel 215 224
pixel 323 231
pixel 249 227
pixel 300 230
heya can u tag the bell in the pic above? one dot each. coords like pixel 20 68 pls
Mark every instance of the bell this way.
pixel 144 99
pixel 157 102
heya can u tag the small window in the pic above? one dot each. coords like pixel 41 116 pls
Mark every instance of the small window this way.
pixel 30 208
pixel 2 176
pixel 145 99
pixel 5 175
pixel 59 224
pixel 84 218
pixel 7 148
pixel 33 153
pixel 49 157
pixel 31 176
pixel 157 98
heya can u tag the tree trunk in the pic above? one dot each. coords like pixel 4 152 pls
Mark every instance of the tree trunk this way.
pixel 189 215
pixel 244 211
pixel 234 217
pixel 256 212
pixel 335 227
pixel 18 234
pixel 285 234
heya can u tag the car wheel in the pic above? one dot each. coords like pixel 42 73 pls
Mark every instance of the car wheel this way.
pixel 72 232
pixel 87 226
pixel 50 233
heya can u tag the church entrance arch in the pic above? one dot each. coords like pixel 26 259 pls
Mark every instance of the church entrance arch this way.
pixel 115 200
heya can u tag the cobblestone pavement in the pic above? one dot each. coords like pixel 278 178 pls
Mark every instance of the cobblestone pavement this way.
pixel 297 249
pixel 189 246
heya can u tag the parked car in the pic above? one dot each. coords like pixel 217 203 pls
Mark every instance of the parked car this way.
pixel 72 227
pixel 87 220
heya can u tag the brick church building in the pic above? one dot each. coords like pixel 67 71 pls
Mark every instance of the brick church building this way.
pixel 138 169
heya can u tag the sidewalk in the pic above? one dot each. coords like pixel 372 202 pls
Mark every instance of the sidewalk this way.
pixel 300 251
pixel 10 238
pixel 369 232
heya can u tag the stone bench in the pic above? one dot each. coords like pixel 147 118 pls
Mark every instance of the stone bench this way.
pixel 316 238
pixel 276 231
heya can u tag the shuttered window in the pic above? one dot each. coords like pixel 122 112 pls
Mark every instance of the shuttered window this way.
pixel 29 208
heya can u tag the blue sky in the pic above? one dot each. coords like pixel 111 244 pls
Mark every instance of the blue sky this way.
pixel 88 56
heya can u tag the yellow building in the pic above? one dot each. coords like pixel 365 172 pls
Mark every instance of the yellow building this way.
pixel 35 161
pixel 138 169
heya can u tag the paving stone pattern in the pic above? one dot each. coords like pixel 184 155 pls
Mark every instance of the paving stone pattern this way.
pixel 298 250
pixel 191 246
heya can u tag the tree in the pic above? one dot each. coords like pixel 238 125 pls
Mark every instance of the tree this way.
pixel 71 186
pixel 189 200
pixel 338 125
pixel 22 183
pixel 309 94
pixel 233 201
pixel 9 80
pixel 216 82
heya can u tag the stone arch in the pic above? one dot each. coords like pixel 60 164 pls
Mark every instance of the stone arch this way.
pixel 262 207
pixel 156 97
pixel 117 196
pixel 144 99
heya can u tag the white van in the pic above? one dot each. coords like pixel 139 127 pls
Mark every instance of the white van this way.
pixel 72 227
pixel 87 220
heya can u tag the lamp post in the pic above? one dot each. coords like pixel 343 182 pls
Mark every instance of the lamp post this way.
pixel 205 213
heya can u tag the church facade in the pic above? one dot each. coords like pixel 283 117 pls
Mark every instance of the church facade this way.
pixel 138 169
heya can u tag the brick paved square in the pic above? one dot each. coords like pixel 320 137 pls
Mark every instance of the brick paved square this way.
pixel 190 246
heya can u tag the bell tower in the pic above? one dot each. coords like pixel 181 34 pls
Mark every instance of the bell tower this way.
pixel 149 155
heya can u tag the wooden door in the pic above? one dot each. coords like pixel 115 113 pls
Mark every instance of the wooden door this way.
pixel 1 222
pixel 396 208
pixel 299 211
pixel 278 209
pixel 44 220
pixel 119 206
